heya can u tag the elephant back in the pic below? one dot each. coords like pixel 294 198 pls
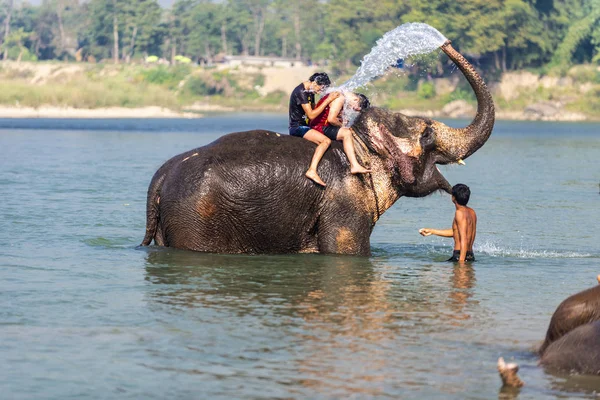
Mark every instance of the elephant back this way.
pixel 577 351
pixel 576 310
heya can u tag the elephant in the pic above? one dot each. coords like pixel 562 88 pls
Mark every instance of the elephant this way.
pixel 246 192
pixel 573 338
pixel 572 342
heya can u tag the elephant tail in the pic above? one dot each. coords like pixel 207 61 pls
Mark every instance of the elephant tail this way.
pixel 153 212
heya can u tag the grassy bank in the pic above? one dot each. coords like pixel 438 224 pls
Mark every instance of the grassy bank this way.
pixel 98 86
pixel 183 87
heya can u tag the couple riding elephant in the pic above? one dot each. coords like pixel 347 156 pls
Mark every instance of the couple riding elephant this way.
pixel 323 122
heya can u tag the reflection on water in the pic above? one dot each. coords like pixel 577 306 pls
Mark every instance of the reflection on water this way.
pixel 463 280
pixel 349 322
pixel 88 316
pixel 336 289
pixel 576 384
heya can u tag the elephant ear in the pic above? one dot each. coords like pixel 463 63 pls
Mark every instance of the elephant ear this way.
pixel 399 154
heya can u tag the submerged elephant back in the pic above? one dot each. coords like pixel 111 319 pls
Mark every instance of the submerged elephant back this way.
pixel 577 310
pixel 578 351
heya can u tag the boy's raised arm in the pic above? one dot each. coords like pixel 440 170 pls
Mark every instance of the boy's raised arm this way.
pixel 437 232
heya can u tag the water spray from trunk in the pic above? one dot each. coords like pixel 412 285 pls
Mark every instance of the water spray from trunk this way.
pixel 406 40
pixel 400 43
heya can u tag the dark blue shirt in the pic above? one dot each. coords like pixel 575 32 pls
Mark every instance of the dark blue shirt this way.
pixel 300 96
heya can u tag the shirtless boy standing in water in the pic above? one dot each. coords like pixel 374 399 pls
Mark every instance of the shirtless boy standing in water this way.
pixel 464 226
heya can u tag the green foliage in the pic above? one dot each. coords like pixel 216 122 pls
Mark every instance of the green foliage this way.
pixel 585 73
pixel 259 80
pixel 276 98
pixel 182 59
pixel 495 35
pixel 426 90
pixel 196 86
pixel 498 34
pixel 577 32
pixel 168 76
pixel 85 93
pixel 462 94
pixel 22 53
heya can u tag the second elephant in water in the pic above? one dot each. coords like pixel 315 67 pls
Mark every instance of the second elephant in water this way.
pixel 572 343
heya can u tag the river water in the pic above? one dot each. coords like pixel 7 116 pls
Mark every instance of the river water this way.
pixel 85 314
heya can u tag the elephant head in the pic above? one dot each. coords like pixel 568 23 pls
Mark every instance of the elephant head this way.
pixel 408 148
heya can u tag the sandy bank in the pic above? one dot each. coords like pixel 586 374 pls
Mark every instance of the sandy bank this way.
pixel 108 112
pixel 538 112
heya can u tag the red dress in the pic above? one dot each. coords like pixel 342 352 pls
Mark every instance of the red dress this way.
pixel 320 121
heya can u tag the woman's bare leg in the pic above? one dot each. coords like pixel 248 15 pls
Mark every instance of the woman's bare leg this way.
pixel 345 135
pixel 323 143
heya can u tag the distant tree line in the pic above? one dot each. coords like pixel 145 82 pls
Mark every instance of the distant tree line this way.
pixel 499 35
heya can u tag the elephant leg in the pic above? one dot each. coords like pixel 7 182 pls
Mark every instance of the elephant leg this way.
pixel 345 236
pixel 159 239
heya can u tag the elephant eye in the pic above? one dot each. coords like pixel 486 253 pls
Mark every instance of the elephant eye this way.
pixel 427 138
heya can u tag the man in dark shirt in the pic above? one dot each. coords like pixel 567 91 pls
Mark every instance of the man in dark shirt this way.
pixel 302 103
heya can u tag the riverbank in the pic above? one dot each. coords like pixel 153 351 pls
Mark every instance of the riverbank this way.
pixel 454 110
pixel 105 112
pixel 78 90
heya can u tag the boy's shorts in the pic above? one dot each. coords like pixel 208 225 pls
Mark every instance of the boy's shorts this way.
pixel 299 131
pixel 456 255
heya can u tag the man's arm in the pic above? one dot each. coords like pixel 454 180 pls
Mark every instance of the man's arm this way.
pixel 461 221
pixel 437 232
pixel 312 114
pixel 335 108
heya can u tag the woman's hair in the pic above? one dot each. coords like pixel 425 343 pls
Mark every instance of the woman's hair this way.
pixel 320 78
pixel 363 101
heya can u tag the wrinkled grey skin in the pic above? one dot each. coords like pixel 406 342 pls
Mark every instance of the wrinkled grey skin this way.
pixel 573 338
pixel 247 193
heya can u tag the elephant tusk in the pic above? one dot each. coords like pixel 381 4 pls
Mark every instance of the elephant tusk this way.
pixel 461 162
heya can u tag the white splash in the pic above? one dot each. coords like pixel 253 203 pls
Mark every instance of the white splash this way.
pixel 494 250
pixel 406 40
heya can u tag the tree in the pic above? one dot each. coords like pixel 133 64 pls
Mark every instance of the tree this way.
pixel 16 39
pixel 583 25
pixel 240 27
pixel 526 40
pixel 204 30
pixel 141 19
pixel 253 16
pixel 351 27
pixel 179 27
pixel 44 30
pixel 9 10
pixel 100 35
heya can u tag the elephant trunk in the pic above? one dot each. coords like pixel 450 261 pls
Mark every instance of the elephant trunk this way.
pixel 458 144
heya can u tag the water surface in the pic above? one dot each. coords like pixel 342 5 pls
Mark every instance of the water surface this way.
pixel 87 315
